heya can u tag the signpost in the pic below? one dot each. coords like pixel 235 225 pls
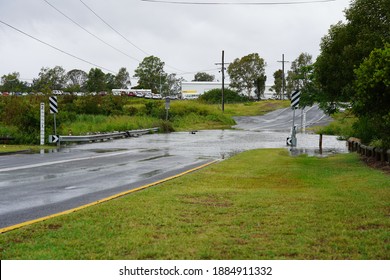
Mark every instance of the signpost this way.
pixel 294 105
pixel 42 142
pixel 167 106
pixel 54 110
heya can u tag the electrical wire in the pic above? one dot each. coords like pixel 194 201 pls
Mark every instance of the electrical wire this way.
pixel 57 49
pixel 90 33
pixel 112 28
pixel 117 32
pixel 237 3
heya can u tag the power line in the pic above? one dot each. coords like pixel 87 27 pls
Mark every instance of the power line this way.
pixel 112 28
pixel 57 49
pixel 90 33
pixel 117 32
pixel 237 3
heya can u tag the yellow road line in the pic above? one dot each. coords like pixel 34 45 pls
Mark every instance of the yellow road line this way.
pixel 2 230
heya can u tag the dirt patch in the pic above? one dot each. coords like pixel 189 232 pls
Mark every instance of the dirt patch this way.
pixel 382 166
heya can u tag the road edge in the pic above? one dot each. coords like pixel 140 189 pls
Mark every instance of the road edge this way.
pixel 20 225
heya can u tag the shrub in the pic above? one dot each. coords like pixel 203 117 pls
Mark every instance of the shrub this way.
pixel 214 96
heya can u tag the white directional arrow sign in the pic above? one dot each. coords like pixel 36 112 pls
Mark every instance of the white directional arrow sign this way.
pixel 54 138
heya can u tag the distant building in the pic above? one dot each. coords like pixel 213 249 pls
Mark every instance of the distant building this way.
pixel 192 90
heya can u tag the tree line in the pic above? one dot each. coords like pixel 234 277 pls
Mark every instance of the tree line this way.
pixel 57 78
pixel 353 68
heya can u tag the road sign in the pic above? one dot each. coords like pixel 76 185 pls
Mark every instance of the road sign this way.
pixel 295 99
pixel 53 104
pixel 54 138
pixel 288 141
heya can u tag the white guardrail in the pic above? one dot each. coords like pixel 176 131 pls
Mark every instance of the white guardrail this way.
pixel 100 137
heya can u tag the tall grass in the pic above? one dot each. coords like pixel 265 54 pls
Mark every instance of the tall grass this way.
pixel 342 125
pixel 100 123
pixel 189 114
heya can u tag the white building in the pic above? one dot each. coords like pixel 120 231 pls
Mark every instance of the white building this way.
pixel 192 90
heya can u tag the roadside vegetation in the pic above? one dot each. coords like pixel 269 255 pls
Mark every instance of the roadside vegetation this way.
pixel 342 125
pixel 261 204
pixel 80 115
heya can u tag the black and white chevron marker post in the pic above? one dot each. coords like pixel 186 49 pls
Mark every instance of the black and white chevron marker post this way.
pixel 53 104
pixel 295 99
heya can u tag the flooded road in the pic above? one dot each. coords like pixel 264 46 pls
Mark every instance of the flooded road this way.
pixel 37 185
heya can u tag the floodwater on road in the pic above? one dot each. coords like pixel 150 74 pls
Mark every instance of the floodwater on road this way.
pixel 219 144
pixel 267 131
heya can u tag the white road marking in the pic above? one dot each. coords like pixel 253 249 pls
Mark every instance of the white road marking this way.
pixel 61 161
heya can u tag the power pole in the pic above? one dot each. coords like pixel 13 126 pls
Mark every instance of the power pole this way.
pixel 223 79
pixel 283 76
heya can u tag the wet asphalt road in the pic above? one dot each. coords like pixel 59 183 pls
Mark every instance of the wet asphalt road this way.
pixel 37 185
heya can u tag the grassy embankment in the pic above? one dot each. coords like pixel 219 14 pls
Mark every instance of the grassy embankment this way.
pixel 183 115
pixel 261 204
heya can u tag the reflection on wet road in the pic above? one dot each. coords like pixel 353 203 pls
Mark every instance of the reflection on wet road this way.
pixel 36 185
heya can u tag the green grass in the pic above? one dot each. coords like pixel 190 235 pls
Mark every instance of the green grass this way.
pixel 5 148
pixel 341 125
pixel 255 108
pixel 184 115
pixel 100 123
pixel 260 204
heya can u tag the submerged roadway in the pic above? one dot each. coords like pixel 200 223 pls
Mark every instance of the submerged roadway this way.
pixel 41 184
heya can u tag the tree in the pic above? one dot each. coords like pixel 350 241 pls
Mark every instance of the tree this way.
pixel 278 81
pixel 150 74
pixel 173 85
pixel 300 77
pixel 260 86
pixel 122 79
pixel 203 77
pixel 245 71
pixel 76 80
pixel 300 71
pixel 110 82
pixel 96 80
pixel 372 98
pixel 345 47
pixel 11 83
pixel 50 79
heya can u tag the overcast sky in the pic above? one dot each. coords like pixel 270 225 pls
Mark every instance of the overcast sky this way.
pixel 188 38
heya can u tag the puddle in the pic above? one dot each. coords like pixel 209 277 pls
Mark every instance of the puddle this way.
pixel 156 157
pixel 151 173
pixel 102 151
pixel 314 152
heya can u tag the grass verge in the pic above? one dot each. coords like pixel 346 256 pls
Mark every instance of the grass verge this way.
pixel 260 204
pixel 5 148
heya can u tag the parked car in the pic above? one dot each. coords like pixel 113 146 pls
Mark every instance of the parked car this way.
pixel 148 95
pixel 156 96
